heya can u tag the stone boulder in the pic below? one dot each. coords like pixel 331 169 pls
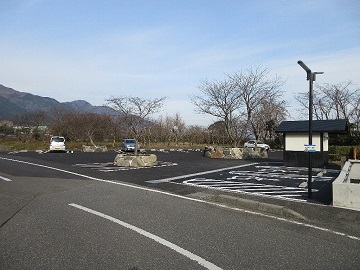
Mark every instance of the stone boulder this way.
pixel 254 153
pixel 235 153
pixel 88 148
pixel 213 152
pixel 123 160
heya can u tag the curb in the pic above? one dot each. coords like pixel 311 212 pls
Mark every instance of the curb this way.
pixel 250 204
pixel 260 206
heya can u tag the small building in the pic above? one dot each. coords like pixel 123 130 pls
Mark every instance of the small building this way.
pixel 296 137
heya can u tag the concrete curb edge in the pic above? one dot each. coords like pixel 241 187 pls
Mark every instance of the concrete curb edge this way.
pixel 259 206
pixel 254 205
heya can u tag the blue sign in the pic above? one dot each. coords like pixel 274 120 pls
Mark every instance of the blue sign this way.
pixel 310 148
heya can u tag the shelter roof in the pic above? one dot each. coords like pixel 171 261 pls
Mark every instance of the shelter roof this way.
pixel 330 126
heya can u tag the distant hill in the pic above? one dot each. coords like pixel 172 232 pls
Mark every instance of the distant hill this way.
pixel 14 103
pixel 8 110
pixel 84 106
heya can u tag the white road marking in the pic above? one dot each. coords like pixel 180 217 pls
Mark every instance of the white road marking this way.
pixel 154 237
pixel 285 192
pixel 244 187
pixel 300 195
pixel 110 167
pixel 4 178
pixel 196 174
pixel 53 168
pixel 190 199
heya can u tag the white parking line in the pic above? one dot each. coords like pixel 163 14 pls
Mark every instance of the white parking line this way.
pixel 282 191
pixel 196 174
pixel 110 167
pixel 158 239
pixel 299 195
pixel 4 178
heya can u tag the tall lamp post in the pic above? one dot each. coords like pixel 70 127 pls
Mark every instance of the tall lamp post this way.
pixel 310 76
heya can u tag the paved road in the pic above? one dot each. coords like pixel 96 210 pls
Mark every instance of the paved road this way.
pixel 65 211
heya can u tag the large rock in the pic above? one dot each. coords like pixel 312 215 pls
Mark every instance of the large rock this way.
pixel 88 148
pixel 123 160
pixel 253 153
pixel 213 152
pixel 235 153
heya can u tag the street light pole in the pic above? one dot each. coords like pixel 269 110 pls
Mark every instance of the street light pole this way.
pixel 310 76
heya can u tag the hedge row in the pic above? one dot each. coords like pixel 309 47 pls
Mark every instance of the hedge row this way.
pixel 336 152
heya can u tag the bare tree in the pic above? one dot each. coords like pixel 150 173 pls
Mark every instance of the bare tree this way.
pixel 196 134
pixel 135 111
pixel 268 115
pixel 176 127
pixel 238 101
pixel 35 118
pixel 93 126
pixel 57 113
pixel 333 101
pixel 217 133
pixel 355 112
pixel 220 99
pixel 341 96
pixel 84 126
pixel 256 89
pixel 157 131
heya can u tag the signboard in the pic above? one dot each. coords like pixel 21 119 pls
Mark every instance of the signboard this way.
pixel 310 148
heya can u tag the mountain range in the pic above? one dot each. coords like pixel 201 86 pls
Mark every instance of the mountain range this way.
pixel 13 103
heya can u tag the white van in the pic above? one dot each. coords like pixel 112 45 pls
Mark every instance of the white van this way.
pixel 57 143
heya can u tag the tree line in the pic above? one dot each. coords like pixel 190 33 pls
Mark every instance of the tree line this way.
pixel 336 101
pixel 93 128
pixel 247 104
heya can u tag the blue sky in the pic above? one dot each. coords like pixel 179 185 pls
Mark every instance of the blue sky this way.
pixel 92 50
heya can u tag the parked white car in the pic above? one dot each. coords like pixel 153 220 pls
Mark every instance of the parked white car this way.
pixel 57 143
pixel 253 144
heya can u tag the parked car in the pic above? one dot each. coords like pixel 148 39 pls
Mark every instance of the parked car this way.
pixel 128 145
pixel 57 143
pixel 253 144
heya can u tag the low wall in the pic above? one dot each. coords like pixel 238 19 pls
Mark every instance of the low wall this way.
pixel 301 159
pixel 346 187
pixel 235 153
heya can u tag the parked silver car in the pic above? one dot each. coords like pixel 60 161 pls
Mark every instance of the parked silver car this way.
pixel 128 145
pixel 253 144
pixel 57 143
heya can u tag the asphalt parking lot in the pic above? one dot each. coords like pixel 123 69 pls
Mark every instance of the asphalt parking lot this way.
pixel 263 177
pixel 258 177
pixel 189 173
